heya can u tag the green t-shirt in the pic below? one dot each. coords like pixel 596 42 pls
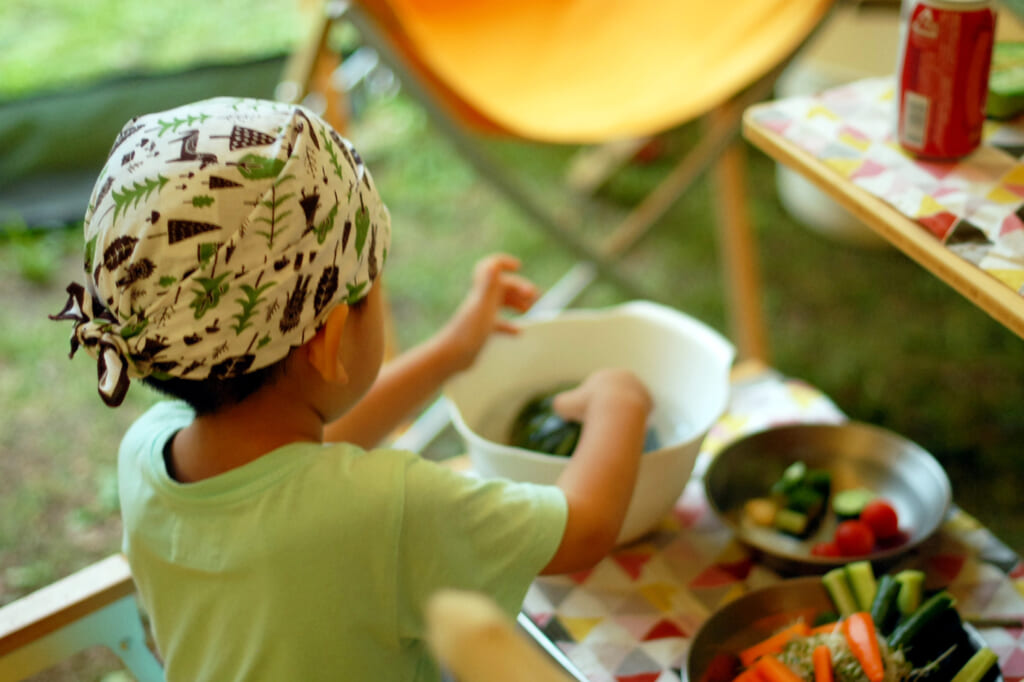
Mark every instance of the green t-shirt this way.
pixel 314 562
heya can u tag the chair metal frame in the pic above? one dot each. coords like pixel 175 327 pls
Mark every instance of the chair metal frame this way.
pixel 719 151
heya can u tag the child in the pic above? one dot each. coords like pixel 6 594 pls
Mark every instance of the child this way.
pixel 233 254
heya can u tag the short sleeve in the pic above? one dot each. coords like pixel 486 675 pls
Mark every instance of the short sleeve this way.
pixel 487 535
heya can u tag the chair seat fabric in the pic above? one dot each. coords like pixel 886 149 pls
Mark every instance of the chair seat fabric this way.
pixel 589 71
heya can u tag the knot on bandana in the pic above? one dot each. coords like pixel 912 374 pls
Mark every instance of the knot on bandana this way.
pixel 218 237
pixel 99 331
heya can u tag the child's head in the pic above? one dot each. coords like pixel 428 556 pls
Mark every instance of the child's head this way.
pixel 218 237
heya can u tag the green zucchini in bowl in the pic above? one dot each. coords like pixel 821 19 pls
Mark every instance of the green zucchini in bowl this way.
pixel 539 428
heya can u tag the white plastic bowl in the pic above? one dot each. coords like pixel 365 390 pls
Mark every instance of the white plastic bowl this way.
pixel 683 362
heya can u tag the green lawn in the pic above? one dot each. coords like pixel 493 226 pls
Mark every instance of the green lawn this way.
pixel 53 44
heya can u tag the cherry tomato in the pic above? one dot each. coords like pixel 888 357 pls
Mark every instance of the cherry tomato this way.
pixel 825 549
pixel 854 538
pixel 881 518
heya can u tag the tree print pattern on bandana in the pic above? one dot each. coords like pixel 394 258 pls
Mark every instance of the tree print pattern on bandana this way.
pixel 218 237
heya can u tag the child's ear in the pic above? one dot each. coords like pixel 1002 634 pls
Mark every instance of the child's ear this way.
pixel 323 349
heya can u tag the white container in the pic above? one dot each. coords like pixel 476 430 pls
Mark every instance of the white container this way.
pixel 684 364
pixel 836 55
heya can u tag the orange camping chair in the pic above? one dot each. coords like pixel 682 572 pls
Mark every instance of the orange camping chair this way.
pixel 593 72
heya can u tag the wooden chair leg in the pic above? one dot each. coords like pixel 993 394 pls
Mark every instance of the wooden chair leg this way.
pixel 740 266
pixel 310 70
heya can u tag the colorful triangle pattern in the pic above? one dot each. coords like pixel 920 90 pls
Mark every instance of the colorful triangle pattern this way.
pixel 579 628
pixel 849 129
pixel 633 616
pixel 662 629
pixel 632 563
pixel 713 576
pixel 639 677
pixel 939 224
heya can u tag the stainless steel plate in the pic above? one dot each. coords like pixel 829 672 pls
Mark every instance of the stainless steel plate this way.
pixel 754 616
pixel 857 455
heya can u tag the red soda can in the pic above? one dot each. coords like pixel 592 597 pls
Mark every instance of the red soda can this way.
pixel 943 76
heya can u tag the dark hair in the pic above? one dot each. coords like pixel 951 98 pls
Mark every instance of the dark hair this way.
pixel 207 396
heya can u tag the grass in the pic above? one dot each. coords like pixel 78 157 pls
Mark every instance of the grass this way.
pixel 93 39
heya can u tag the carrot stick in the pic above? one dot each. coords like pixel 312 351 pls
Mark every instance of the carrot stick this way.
pixel 822 659
pixel 825 629
pixel 773 644
pixel 772 669
pixel 860 636
pixel 748 675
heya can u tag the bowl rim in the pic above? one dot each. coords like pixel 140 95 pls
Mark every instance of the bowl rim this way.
pixel 642 309
pixel 722 348
pixel 504 449
pixel 818 564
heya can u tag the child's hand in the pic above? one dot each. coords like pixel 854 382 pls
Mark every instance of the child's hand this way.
pixel 494 287
pixel 608 393
pixel 599 478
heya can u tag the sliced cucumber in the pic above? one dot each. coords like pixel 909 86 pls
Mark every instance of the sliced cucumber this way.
pixel 930 610
pixel 911 582
pixel 820 480
pixel 838 587
pixel 805 500
pixel 941 645
pixel 862 582
pixel 848 504
pixel 884 610
pixel 791 478
pixel 976 666
pixel 791 521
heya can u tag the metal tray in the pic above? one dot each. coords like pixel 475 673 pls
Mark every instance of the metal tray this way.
pixel 857 455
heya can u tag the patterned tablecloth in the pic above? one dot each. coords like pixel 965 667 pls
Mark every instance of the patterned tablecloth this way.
pixel 632 617
pixel 975 206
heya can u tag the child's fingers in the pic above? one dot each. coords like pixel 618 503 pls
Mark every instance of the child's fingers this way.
pixel 519 292
pixel 506 327
pixel 491 267
pixel 569 404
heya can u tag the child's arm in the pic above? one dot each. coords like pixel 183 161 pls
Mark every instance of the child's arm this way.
pixel 412 378
pixel 598 482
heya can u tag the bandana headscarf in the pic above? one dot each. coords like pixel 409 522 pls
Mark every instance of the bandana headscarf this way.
pixel 218 237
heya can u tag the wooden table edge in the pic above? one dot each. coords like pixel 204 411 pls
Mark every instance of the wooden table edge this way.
pixel 979 287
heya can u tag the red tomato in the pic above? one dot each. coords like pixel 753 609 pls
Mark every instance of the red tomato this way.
pixel 825 549
pixel 881 518
pixel 854 538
